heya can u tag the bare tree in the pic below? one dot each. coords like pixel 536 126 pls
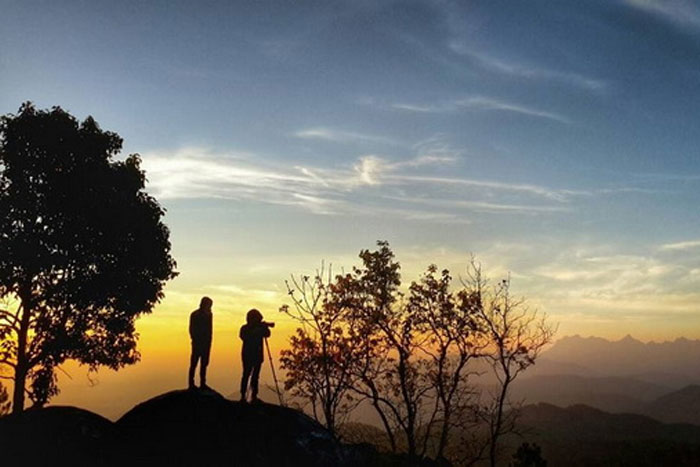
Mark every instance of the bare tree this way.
pixel 317 363
pixel 515 337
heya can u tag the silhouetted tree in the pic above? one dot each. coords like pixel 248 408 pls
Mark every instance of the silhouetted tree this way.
pixel 528 455
pixel 4 401
pixel 515 335
pixel 317 364
pixel 410 353
pixel 388 370
pixel 83 251
pixel 449 325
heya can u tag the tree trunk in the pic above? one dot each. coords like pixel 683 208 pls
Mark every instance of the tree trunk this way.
pixel 18 394
pixel 444 431
pixel 499 422
pixel 385 422
pixel 411 415
pixel 22 362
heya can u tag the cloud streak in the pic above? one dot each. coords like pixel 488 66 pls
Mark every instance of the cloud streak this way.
pixel 540 191
pixel 482 103
pixel 484 206
pixel 529 72
pixel 680 246
pixel 371 185
pixel 681 12
pixel 341 136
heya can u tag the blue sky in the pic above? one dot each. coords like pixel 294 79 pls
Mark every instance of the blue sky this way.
pixel 555 140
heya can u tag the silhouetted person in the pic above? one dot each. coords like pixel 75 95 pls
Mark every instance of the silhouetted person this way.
pixel 253 333
pixel 200 333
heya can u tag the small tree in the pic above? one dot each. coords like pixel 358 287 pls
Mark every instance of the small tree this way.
pixel 528 455
pixel 83 250
pixel 387 369
pixel 515 335
pixel 448 323
pixel 317 364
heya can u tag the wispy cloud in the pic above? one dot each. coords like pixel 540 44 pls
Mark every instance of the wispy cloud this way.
pixel 481 103
pixel 678 246
pixel 580 282
pixel 484 206
pixel 529 72
pixel 341 136
pixel 613 285
pixel 682 12
pixel 435 150
pixel 540 191
pixel 486 103
pixel 669 177
pixel 371 185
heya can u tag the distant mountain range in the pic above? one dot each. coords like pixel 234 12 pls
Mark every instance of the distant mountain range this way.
pixel 613 394
pixel 660 380
pixel 674 363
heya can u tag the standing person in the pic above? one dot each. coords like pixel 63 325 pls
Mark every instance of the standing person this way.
pixel 252 334
pixel 200 333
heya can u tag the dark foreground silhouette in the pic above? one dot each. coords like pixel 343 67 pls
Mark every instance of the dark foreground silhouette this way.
pixel 200 335
pixel 179 428
pixel 253 334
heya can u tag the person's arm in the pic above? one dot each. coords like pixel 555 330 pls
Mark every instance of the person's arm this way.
pixel 242 333
pixel 266 331
pixel 191 329
pixel 210 326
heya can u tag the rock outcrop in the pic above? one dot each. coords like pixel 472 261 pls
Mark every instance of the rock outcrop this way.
pixel 181 428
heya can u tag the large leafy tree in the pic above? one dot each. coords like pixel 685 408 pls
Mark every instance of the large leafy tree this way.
pixel 83 249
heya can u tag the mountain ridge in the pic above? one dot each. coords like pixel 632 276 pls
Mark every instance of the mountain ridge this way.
pixel 674 363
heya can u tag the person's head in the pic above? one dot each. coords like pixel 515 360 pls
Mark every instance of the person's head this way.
pixel 205 303
pixel 254 317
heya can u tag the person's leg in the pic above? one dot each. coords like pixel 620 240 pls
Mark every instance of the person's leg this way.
pixel 204 362
pixel 254 379
pixel 244 379
pixel 193 364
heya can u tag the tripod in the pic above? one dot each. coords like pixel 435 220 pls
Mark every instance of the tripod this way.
pixel 274 375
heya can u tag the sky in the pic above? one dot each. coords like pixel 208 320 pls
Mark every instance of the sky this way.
pixel 556 141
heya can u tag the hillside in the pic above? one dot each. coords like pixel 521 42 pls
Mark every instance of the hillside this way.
pixel 682 406
pixel 613 394
pixel 583 436
pixel 179 428
pixel 72 436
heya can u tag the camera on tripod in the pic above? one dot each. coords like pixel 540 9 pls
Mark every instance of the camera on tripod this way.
pixel 268 324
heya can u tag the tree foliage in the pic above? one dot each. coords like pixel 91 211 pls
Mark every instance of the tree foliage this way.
pixel 317 362
pixel 83 250
pixel 410 354
pixel 528 455
pixel 4 401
